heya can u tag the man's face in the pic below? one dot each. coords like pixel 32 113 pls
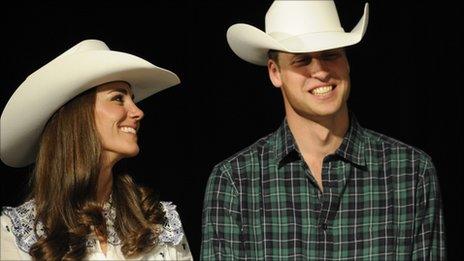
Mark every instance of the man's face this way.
pixel 314 85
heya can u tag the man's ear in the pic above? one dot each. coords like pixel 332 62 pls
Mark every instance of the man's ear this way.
pixel 274 73
pixel 346 59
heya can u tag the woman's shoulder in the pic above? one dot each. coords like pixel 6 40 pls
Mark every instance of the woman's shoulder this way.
pixel 19 222
pixel 173 243
pixel 25 209
pixel 9 249
pixel 173 232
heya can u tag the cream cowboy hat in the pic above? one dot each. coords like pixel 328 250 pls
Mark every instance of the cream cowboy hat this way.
pixel 299 26
pixel 86 65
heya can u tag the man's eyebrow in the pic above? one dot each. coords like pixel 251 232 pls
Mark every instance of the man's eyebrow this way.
pixel 299 56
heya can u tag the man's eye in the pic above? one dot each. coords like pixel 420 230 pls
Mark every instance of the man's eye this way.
pixel 331 56
pixel 303 60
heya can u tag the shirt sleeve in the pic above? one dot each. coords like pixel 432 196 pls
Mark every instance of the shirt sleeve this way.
pixel 173 243
pixel 220 226
pixel 429 236
pixel 9 249
pixel 181 251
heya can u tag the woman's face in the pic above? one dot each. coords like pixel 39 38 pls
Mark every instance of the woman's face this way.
pixel 117 120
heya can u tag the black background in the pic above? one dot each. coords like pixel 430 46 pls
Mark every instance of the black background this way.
pixel 407 82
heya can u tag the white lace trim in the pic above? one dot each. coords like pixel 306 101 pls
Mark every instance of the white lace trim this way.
pixel 23 218
pixel 172 231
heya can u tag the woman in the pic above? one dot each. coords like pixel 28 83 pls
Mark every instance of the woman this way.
pixel 76 118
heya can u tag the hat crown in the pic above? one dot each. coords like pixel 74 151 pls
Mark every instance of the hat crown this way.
pixel 84 46
pixel 290 18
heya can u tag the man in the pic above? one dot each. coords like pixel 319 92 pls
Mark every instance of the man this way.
pixel 321 187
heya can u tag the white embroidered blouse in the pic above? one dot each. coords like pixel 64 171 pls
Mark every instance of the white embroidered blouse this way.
pixel 17 236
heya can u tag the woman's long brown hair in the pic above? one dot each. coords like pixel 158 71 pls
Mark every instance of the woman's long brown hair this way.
pixel 65 188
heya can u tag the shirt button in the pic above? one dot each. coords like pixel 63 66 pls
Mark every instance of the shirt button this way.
pixel 324 226
pixel 242 236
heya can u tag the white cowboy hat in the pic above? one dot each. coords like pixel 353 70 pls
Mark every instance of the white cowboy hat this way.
pixel 86 65
pixel 295 27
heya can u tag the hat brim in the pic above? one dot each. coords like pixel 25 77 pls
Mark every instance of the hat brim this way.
pixel 252 44
pixel 50 87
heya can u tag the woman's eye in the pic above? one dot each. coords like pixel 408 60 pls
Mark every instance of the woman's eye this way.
pixel 118 98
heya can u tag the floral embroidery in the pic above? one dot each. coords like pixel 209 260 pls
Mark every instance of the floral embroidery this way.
pixel 23 217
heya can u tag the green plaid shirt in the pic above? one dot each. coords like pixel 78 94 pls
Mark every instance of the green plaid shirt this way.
pixel 381 201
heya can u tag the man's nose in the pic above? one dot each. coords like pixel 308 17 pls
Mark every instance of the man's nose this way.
pixel 317 69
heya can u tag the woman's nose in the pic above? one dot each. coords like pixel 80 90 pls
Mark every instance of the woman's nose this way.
pixel 135 112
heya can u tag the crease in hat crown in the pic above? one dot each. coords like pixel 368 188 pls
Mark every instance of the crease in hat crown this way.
pixel 303 19
pixel 86 45
pixel 83 66
pixel 83 46
pixel 295 27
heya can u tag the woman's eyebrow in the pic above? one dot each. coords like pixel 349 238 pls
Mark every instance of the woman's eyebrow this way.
pixel 123 91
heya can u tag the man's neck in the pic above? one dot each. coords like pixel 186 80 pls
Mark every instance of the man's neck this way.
pixel 318 138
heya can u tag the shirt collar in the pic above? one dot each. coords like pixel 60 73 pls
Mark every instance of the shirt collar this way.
pixel 351 149
pixel 284 144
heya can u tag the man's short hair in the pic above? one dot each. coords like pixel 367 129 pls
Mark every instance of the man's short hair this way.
pixel 273 55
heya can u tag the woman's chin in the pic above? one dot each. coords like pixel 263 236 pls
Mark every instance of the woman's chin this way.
pixel 116 155
pixel 132 153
